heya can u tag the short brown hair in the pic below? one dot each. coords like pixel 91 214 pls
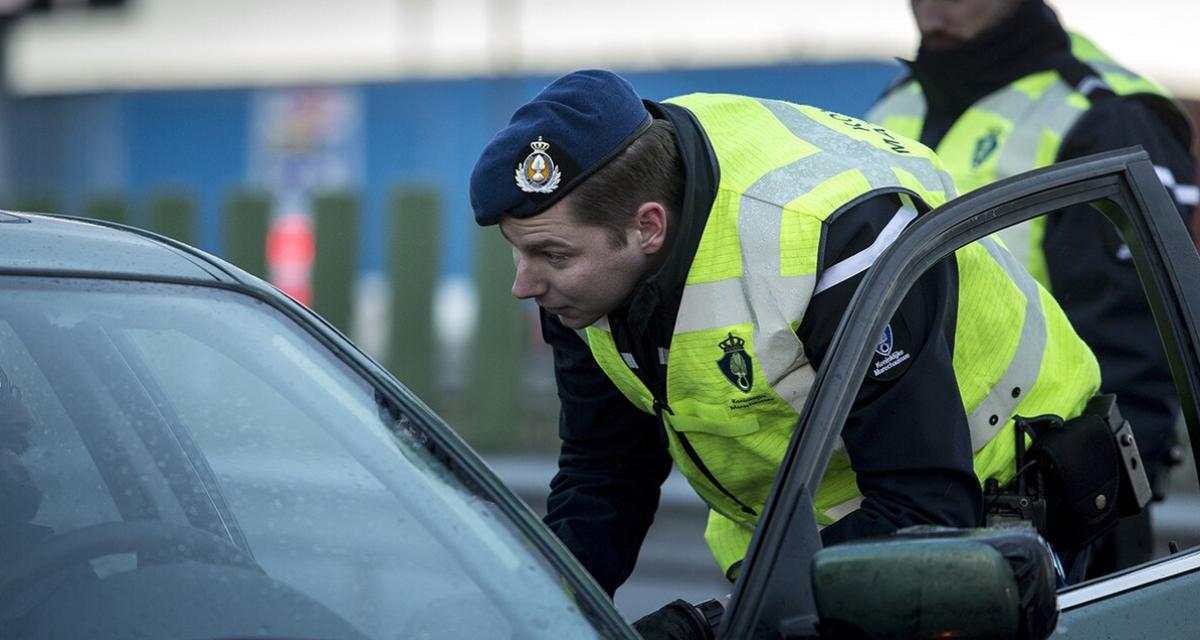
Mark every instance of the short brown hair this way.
pixel 647 170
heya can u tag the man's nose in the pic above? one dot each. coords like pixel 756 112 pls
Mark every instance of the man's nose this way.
pixel 527 284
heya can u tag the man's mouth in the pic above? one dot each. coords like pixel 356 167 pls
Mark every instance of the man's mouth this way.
pixel 939 41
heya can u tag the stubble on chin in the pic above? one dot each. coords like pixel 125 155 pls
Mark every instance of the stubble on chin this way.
pixel 941 42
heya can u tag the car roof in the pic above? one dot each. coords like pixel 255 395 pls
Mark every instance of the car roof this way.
pixel 43 243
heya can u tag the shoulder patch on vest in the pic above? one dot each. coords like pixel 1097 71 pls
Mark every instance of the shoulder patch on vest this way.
pixel 892 356
pixel 985 146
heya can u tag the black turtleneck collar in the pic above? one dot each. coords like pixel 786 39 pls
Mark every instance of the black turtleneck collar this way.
pixel 646 322
pixel 658 295
pixel 954 79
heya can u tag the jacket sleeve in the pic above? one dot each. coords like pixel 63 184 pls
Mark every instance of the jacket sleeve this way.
pixel 906 436
pixel 611 467
pixel 1093 277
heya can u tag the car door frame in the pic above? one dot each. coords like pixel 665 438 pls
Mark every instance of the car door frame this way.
pixel 773 595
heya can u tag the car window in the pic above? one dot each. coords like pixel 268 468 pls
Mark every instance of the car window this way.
pixel 71 490
pixel 207 414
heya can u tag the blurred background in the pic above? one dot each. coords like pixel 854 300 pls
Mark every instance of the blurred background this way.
pixel 327 146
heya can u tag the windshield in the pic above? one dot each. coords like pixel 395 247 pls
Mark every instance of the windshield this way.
pixel 181 461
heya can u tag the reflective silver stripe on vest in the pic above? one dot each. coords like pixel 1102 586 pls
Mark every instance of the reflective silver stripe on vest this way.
pixel 1104 68
pixel 1026 363
pixel 874 163
pixel 1090 84
pixel 906 101
pixel 713 305
pixel 1052 110
pixel 776 300
pixel 762 296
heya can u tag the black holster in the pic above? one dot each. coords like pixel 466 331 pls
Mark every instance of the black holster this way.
pixel 1091 471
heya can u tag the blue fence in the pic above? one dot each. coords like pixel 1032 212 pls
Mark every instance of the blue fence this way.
pixel 66 149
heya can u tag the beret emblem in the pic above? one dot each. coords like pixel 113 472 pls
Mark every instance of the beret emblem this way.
pixel 538 173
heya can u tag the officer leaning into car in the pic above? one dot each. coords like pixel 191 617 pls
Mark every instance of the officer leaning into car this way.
pixel 691 259
pixel 999 87
pixel 19 496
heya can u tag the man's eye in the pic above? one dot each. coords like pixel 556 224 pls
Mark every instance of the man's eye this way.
pixel 556 258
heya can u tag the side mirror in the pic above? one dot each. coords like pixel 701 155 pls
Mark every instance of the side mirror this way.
pixel 979 584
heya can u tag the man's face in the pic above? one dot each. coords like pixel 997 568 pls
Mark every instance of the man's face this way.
pixel 574 270
pixel 947 24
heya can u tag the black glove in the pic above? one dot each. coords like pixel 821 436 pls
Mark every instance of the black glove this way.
pixel 676 621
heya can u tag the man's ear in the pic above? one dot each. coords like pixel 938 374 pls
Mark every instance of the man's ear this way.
pixel 651 220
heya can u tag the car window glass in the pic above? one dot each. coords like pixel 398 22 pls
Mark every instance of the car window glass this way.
pixel 211 417
pixel 1093 278
pixel 43 443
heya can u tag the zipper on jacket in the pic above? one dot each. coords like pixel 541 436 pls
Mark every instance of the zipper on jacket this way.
pixel 661 406
pixel 656 385
pixel 695 457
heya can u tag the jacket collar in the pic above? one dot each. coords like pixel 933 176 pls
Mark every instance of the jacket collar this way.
pixel 657 297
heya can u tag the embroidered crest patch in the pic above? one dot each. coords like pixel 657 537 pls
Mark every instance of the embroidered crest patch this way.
pixel 736 364
pixel 985 147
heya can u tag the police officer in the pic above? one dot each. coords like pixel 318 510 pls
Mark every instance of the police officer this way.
pixel 20 498
pixel 691 259
pixel 998 87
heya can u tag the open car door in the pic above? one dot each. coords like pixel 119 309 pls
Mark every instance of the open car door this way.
pixel 774 596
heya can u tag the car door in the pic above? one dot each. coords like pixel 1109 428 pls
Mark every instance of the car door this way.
pixel 774 595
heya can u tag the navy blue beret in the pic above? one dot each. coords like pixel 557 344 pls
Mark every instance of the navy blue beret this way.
pixel 568 131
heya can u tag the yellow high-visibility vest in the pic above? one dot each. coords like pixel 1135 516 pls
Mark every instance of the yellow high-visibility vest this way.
pixel 1015 129
pixel 737 375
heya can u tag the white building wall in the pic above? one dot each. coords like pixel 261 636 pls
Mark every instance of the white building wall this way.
pixel 189 43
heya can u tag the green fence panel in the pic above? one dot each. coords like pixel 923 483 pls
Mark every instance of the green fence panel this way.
pixel 335 224
pixel 413 221
pixel 498 416
pixel 109 207
pixel 173 214
pixel 34 202
pixel 247 215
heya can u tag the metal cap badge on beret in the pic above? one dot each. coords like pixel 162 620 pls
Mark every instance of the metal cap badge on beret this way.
pixel 568 131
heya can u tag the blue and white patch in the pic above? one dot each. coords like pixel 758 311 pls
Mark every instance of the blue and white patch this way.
pixel 891 358
pixel 884 348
